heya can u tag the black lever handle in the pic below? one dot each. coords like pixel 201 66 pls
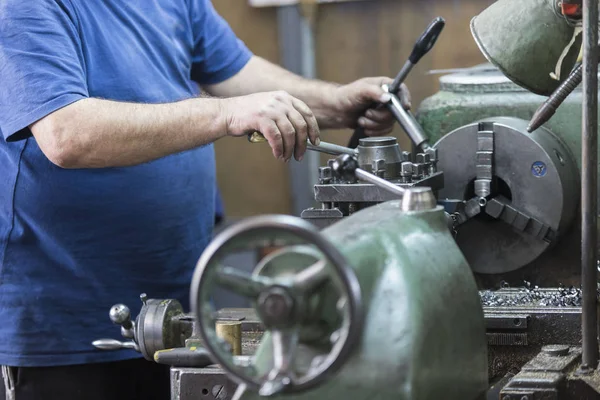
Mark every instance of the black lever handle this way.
pixel 422 47
pixel 427 39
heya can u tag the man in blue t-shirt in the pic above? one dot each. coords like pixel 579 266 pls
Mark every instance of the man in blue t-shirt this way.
pixel 108 184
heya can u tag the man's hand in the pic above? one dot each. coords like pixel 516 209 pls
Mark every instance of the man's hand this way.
pixel 354 105
pixel 284 121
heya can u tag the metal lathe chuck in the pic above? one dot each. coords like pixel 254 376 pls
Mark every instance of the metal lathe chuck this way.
pixel 519 191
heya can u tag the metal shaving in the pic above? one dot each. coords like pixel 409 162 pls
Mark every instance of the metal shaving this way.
pixel 529 295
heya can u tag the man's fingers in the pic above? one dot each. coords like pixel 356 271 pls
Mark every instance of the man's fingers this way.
pixel 379 132
pixel 313 127
pixel 369 124
pixel 271 132
pixel 382 115
pixel 373 93
pixel 301 129
pixel 405 98
pixel 288 134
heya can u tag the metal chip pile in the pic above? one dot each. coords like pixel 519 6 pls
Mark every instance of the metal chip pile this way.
pixel 529 295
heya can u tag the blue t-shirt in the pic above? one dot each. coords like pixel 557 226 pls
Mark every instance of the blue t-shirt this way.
pixel 74 242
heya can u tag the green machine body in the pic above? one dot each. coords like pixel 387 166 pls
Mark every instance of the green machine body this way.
pixel 379 305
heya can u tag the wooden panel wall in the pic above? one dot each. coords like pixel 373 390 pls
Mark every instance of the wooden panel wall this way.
pixel 353 40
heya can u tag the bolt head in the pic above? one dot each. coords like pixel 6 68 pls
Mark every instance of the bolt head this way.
pixel 417 169
pixel 276 306
pixel 406 169
pixel 325 175
pixel 433 153
pixel 378 165
pixel 324 172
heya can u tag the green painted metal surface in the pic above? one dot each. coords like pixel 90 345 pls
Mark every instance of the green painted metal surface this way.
pixel 526 40
pixel 424 334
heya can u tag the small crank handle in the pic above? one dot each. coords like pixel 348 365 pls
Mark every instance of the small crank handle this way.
pixel 322 147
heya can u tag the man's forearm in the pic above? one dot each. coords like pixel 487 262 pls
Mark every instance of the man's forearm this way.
pixel 260 75
pixel 94 133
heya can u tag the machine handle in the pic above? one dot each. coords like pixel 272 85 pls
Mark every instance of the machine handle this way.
pixel 184 357
pixel 322 147
pixel 422 47
pixel 347 168
pixel 113 344
pixel 427 39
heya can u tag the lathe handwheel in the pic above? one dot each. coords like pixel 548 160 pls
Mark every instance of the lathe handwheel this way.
pixel 280 303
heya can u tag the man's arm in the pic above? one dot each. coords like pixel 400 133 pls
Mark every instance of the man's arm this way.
pixel 95 133
pixel 335 106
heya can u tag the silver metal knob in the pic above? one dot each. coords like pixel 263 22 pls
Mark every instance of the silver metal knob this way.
pixel 406 155
pixel 418 199
pixel 120 315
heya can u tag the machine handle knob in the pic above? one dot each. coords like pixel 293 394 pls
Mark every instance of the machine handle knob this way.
pixel 345 167
pixel 427 39
pixel 184 357
pixel 113 344
pixel 121 315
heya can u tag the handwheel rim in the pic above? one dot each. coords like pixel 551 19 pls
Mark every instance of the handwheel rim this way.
pixel 307 232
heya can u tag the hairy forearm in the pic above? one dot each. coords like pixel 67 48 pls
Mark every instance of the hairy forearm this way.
pixel 260 75
pixel 94 133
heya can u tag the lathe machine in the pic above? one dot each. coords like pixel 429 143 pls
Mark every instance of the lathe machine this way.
pixel 452 270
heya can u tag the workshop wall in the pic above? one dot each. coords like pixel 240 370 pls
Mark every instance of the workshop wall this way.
pixel 353 40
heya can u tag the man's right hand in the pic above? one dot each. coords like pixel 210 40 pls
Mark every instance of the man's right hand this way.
pixel 284 121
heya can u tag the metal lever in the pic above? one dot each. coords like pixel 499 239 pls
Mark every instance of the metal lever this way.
pixel 113 344
pixel 346 167
pixel 422 47
pixel 322 147
pixel 407 121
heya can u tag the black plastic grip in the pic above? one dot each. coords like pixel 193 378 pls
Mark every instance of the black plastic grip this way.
pixel 184 357
pixel 427 39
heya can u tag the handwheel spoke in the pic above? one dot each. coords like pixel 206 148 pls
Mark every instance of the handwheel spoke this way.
pixel 240 282
pixel 312 277
pixel 285 343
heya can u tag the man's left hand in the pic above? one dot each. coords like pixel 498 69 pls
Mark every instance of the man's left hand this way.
pixel 354 104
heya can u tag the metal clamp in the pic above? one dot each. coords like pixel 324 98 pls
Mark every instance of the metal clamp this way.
pixel 499 208
pixel 485 160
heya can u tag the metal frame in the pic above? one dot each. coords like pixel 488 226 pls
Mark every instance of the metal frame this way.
pixel 589 186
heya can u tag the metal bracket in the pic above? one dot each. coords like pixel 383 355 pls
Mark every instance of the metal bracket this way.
pixel 485 158
pixel 499 208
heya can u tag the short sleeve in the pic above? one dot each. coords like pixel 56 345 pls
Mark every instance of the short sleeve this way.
pixel 218 53
pixel 41 63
